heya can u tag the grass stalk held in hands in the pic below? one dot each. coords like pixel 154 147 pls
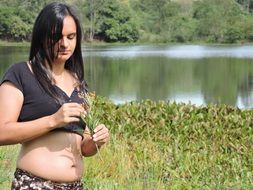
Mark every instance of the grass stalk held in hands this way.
pixel 91 115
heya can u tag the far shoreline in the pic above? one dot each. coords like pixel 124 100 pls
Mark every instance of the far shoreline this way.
pixel 99 43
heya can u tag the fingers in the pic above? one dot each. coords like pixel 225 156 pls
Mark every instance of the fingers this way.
pixel 73 106
pixel 72 109
pixel 69 112
pixel 84 113
pixel 101 135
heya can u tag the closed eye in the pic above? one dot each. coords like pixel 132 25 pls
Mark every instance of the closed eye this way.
pixel 71 36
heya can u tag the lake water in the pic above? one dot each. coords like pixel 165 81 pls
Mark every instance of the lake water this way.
pixel 195 74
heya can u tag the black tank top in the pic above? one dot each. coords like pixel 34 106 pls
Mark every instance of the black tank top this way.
pixel 37 103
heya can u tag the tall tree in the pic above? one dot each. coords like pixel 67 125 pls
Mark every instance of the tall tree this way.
pixel 91 9
pixel 217 18
pixel 155 12
pixel 111 21
pixel 247 4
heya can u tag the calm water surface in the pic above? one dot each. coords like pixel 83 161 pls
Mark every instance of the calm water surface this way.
pixel 183 73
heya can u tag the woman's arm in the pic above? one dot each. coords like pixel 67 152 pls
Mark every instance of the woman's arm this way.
pixel 13 132
pixel 100 137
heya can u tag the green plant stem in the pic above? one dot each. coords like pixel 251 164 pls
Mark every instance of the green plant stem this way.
pixel 98 151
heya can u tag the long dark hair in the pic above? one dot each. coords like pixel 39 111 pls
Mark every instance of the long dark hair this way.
pixel 47 31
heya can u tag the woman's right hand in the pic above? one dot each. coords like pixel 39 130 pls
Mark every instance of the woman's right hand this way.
pixel 69 112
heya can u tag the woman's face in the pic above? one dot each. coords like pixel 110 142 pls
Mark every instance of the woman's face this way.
pixel 65 47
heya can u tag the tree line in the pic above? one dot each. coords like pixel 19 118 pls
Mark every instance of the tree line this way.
pixel 144 21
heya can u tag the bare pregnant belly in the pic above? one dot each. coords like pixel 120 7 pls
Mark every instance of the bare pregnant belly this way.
pixel 55 156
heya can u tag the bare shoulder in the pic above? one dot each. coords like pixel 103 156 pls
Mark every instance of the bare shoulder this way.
pixel 11 100
pixel 8 88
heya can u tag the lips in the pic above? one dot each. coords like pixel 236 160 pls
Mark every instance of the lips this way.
pixel 64 52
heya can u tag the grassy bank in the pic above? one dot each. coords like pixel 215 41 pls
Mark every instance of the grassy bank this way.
pixel 166 146
pixel 12 43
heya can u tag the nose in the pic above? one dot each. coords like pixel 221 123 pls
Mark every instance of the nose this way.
pixel 64 42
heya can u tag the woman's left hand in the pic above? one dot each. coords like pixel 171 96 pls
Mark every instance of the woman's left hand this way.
pixel 101 135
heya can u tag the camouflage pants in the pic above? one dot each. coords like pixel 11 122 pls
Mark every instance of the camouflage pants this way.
pixel 24 180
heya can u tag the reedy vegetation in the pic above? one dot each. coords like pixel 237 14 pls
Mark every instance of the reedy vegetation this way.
pixel 143 21
pixel 166 145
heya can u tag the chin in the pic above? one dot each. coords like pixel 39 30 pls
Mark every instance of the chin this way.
pixel 63 58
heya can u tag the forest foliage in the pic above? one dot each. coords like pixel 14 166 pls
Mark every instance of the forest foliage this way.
pixel 143 21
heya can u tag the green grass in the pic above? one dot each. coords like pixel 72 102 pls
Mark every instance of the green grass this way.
pixel 9 43
pixel 159 145
pixel 8 156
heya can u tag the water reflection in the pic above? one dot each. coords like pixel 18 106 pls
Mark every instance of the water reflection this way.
pixel 175 51
pixel 245 97
pixel 189 73
pixel 182 73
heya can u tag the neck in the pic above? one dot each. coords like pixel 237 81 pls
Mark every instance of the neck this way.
pixel 58 69
pixel 59 75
